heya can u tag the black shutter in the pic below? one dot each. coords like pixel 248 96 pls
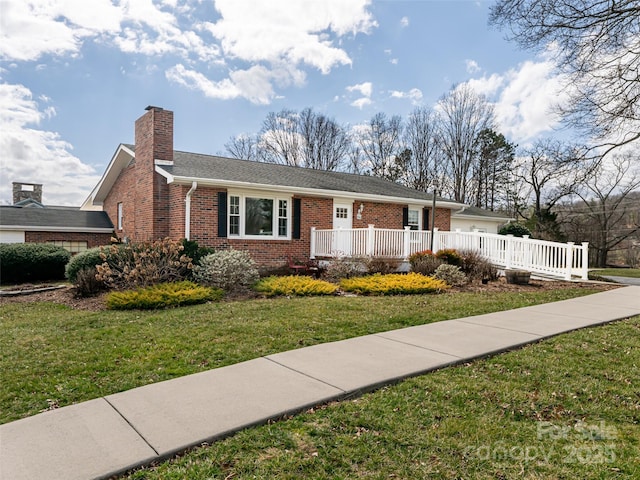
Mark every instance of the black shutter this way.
pixel 222 214
pixel 295 230
pixel 405 216
pixel 425 219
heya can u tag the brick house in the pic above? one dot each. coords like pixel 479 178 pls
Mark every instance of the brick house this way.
pixel 152 191
pixel 28 220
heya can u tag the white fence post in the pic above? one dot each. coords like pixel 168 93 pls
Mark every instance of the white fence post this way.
pixel 568 265
pixel 312 254
pixel 585 261
pixel 406 244
pixel 509 251
pixel 371 238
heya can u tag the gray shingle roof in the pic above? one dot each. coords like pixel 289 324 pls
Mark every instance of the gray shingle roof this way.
pixel 198 166
pixel 481 212
pixel 53 217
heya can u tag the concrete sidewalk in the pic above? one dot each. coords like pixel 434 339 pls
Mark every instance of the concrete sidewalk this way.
pixel 110 435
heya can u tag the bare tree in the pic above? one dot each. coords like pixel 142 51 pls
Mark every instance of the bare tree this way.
pixel 550 170
pixel 597 45
pixel 245 147
pixel 424 169
pixel 325 143
pixel 604 213
pixel 379 142
pixel 280 140
pixel 463 115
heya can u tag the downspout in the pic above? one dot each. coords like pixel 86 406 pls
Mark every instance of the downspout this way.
pixel 187 213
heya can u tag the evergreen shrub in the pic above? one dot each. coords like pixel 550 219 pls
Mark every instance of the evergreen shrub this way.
pixel 227 269
pixel 300 285
pixel 450 274
pixel 393 284
pixel 163 295
pixel 27 262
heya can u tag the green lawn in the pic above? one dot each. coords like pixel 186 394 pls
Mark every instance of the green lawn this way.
pixel 617 272
pixel 564 408
pixel 51 355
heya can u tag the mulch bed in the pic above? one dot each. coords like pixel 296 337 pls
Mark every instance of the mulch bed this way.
pixel 66 294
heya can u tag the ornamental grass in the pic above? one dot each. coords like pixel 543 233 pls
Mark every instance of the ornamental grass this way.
pixel 393 284
pixel 299 285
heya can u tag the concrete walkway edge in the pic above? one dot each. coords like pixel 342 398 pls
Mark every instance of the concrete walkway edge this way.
pixel 109 436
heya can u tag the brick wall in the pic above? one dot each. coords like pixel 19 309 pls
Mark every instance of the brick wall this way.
pixel 382 215
pixel 443 219
pixel 92 239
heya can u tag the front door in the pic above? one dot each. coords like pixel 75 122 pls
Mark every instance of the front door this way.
pixel 342 224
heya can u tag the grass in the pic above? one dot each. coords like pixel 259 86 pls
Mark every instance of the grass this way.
pixel 567 407
pixel 617 272
pixel 52 355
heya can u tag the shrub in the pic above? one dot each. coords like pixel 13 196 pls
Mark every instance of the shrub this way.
pixel 227 269
pixel 450 274
pixel 83 261
pixel 195 252
pixel 393 284
pixel 345 267
pixel 515 229
pixel 424 262
pixel 163 295
pixel 475 266
pixel 300 285
pixel 20 262
pixel 450 256
pixel 127 266
pixel 380 265
pixel 86 283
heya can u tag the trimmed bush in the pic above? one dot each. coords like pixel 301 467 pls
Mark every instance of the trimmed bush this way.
pixel 132 265
pixel 393 284
pixel 477 267
pixel 424 262
pixel 195 252
pixel 89 259
pixel 345 267
pixel 86 283
pixel 381 265
pixel 163 295
pixel 450 256
pixel 26 262
pixel 227 269
pixel 300 285
pixel 515 229
pixel 450 274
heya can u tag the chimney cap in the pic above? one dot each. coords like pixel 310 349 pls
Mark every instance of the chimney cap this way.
pixel 151 107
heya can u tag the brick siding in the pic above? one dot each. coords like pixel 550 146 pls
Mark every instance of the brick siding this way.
pixel 92 239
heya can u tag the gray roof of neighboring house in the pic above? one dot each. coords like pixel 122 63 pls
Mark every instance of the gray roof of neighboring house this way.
pixel 55 218
pixel 211 167
pixel 481 212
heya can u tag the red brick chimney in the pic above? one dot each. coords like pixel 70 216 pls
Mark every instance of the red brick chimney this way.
pixel 154 141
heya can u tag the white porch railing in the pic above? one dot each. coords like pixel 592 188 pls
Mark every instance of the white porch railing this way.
pixel 563 260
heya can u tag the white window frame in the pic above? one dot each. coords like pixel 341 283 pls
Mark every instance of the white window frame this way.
pixel 420 214
pixel 120 216
pixel 275 217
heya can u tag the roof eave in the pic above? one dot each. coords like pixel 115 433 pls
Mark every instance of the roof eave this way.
pixel 120 159
pixel 45 228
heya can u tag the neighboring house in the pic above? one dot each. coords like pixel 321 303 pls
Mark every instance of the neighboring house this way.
pixel 29 221
pixel 151 191
pixel 469 219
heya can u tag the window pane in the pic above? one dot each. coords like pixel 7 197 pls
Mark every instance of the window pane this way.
pixel 258 216
pixel 234 225
pixel 234 205
pixel 282 227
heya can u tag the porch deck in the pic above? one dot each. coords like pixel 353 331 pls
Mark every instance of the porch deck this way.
pixel 558 260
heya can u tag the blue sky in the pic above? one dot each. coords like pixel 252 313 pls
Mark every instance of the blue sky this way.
pixel 75 74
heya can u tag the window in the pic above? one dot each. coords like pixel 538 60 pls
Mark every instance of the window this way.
pixel 413 219
pixel 120 216
pixel 258 216
pixel 342 212
pixel 72 247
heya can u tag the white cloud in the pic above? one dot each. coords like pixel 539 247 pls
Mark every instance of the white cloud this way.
pixel 487 86
pixel 404 22
pixel 415 95
pixel 472 66
pixel 38 156
pixel 361 102
pixel 365 88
